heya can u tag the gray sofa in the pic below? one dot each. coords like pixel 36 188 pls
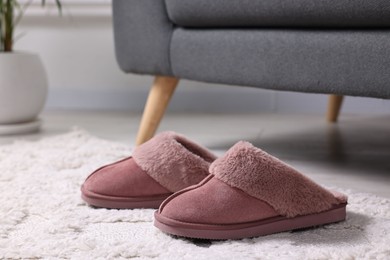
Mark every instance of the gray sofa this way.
pixel 337 47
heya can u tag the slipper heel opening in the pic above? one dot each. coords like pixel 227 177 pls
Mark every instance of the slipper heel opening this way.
pixel 196 149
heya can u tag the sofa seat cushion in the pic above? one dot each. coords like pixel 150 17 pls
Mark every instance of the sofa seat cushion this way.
pixel 279 13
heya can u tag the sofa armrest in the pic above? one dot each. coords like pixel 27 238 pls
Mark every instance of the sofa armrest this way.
pixel 142 35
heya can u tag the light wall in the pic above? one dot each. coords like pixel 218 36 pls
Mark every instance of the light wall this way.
pixel 77 50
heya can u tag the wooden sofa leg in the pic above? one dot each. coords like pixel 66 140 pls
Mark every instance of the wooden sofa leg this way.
pixel 334 106
pixel 158 100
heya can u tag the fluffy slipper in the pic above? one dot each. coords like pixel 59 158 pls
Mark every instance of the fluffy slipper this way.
pixel 249 193
pixel 165 164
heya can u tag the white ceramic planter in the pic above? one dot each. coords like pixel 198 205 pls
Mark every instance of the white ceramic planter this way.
pixel 23 91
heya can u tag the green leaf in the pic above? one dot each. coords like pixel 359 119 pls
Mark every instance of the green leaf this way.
pixel 21 9
pixel 11 13
pixel 58 3
pixel 1 25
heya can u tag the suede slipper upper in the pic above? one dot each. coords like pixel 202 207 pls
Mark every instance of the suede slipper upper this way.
pixel 163 165
pixel 249 193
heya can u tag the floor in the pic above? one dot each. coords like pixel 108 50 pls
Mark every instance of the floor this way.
pixel 355 153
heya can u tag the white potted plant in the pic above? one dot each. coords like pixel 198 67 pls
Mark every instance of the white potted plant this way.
pixel 23 81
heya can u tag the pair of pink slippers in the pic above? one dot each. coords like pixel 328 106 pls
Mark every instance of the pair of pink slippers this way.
pixel 245 193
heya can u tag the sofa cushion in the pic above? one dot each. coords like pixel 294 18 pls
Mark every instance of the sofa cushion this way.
pixel 279 13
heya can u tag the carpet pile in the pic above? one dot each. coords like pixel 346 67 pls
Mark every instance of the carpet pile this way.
pixel 42 215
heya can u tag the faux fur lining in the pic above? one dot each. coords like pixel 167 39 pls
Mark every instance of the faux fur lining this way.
pixel 173 161
pixel 267 178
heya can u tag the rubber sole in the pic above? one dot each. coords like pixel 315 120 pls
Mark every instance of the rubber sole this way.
pixel 110 202
pixel 250 229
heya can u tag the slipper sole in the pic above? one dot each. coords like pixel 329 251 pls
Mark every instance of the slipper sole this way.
pixel 249 229
pixel 111 202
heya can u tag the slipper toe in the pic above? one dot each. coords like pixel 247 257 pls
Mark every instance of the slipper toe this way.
pixel 120 184
pixel 215 202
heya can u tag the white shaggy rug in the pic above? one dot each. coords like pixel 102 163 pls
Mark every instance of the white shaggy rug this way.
pixel 42 215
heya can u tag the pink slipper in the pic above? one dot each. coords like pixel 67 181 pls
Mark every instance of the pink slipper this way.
pixel 249 193
pixel 165 164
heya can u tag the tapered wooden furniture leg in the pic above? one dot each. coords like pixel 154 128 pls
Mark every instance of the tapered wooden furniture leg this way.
pixel 158 100
pixel 334 106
